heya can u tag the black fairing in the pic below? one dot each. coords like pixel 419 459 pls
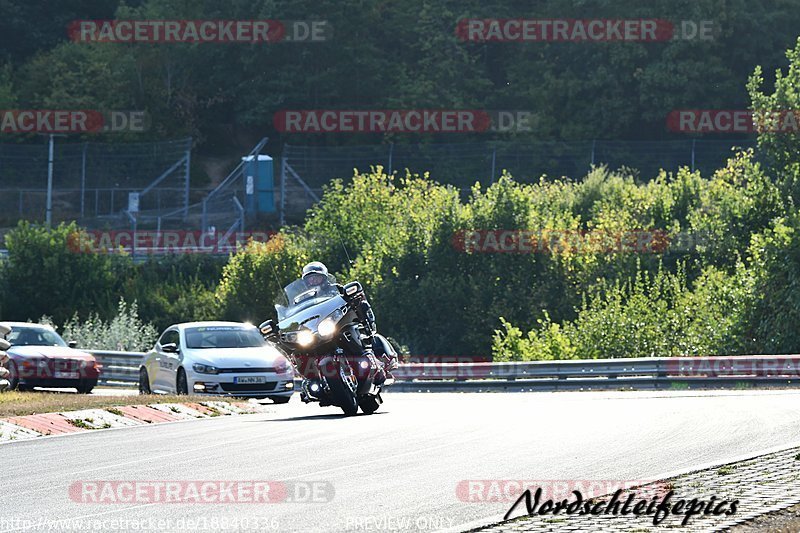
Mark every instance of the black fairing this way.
pixel 383 346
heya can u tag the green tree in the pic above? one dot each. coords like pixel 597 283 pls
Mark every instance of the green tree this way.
pixel 780 146
pixel 256 275
pixel 47 274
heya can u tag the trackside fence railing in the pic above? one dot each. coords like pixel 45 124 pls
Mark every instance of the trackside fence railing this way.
pixel 118 369
pixel 121 369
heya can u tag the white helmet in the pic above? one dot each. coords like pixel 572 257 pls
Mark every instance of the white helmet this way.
pixel 315 267
pixel 315 273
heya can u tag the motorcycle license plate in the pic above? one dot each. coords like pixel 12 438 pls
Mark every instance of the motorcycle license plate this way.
pixel 249 380
pixel 60 374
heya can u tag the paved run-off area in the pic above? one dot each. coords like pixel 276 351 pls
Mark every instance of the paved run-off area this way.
pixel 401 469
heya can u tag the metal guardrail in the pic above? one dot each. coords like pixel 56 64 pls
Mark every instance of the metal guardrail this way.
pixel 121 369
pixel 656 373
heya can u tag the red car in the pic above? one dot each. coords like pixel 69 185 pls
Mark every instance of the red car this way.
pixel 39 357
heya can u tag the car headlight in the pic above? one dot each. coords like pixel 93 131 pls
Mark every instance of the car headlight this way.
pixel 205 369
pixel 305 337
pixel 327 327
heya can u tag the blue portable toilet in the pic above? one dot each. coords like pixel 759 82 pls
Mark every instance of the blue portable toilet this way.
pixel 259 183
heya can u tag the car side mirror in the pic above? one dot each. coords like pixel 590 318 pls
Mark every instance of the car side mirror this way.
pixel 72 344
pixel 170 347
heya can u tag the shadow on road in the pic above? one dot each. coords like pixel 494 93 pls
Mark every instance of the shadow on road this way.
pixel 331 416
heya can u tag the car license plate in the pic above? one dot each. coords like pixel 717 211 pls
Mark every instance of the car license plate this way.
pixel 59 374
pixel 250 379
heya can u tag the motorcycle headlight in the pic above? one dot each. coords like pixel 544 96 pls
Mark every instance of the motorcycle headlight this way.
pixel 305 337
pixel 327 327
pixel 205 369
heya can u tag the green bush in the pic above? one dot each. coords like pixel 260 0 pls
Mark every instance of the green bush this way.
pixel 780 147
pixel 46 274
pixel 739 201
pixel 175 288
pixel 125 332
pixel 398 236
pixel 650 315
pixel 401 236
pixel 775 314
pixel 255 275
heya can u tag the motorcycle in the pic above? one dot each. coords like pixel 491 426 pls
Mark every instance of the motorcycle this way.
pixel 322 332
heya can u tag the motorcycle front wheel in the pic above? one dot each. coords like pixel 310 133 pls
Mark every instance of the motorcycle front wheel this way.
pixel 369 404
pixel 342 394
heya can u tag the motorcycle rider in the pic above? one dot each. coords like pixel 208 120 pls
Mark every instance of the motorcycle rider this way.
pixel 315 274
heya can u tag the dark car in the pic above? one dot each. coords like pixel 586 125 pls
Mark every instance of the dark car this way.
pixel 39 357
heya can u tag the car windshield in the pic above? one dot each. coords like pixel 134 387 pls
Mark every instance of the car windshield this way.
pixel 223 337
pixel 22 336
pixel 300 295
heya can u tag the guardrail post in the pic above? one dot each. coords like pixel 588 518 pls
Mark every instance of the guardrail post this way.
pixel 662 377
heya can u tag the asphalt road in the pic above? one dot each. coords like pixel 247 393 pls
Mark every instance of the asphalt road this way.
pixel 392 471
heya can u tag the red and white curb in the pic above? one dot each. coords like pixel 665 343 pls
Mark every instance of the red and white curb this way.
pixel 17 428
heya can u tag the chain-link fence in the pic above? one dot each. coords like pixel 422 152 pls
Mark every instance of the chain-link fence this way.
pixel 92 182
pixel 92 179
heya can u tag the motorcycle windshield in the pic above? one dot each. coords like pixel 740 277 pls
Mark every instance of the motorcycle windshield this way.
pixel 298 296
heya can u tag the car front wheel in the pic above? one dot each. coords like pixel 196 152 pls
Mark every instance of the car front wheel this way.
pixel 182 385
pixel 13 376
pixel 280 399
pixel 144 382
pixel 86 386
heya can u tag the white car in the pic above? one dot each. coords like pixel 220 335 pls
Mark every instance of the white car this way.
pixel 216 358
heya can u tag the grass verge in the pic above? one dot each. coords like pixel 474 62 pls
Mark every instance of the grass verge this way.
pixel 16 403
